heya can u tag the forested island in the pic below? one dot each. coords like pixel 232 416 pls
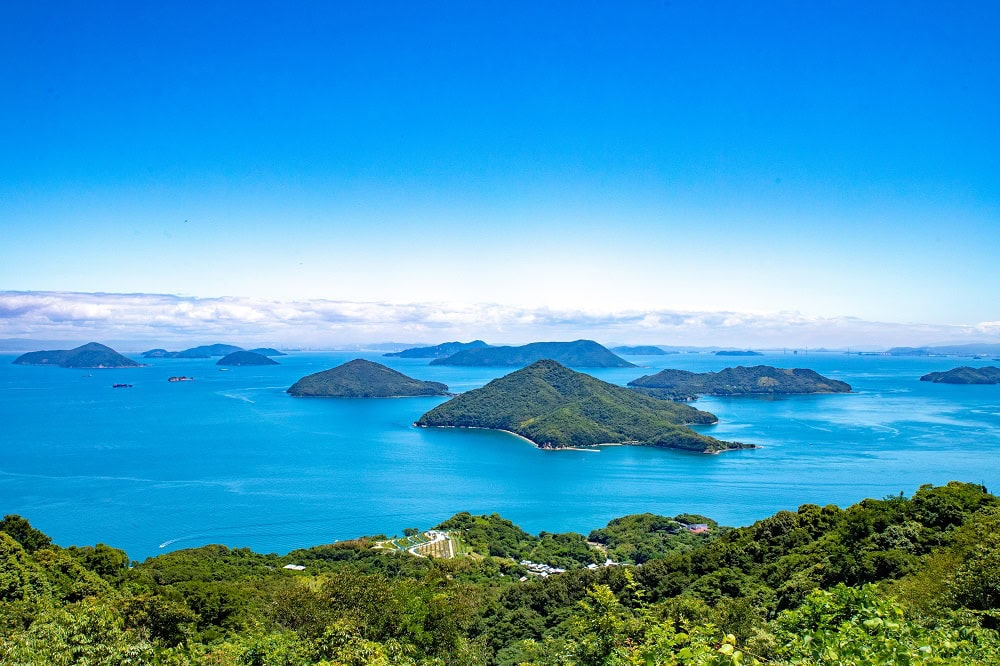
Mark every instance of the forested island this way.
pixel 737 353
pixel 90 355
pixel 757 380
pixel 364 379
pixel 555 407
pixel 203 351
pixel 245 358
pixel 642 350
pixel 268 351
pixel 965 375
pixel 578 354
pixel 887 581
pixel 438 351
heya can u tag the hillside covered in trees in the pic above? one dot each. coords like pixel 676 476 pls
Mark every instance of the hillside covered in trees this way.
pixel 577 354
pixel 555 407
pixel 756 380
pixel 887 581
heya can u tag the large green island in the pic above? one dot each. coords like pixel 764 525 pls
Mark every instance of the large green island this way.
pixel 757 380
pixel 364 379
pixel 555 407
pixel 577 354
pixel 245 358
pixel 90 355
pixel 965 375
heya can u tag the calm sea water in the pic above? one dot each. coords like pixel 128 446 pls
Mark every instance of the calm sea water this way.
pixel 231 458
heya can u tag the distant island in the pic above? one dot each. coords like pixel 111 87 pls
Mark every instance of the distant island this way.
pixel 90 355
pixel 756 380
pixel 204 351
pixel 364 379
pixel 580 354
pixel 555 407
pixel 965 375
pixel 438 351
pixel 737 353
pixel 268 351
pixel 642 350
pixel 245 358
pixel 971 349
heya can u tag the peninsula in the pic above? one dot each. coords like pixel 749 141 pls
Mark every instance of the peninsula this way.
pixel 268 351
pixel 756 380
pixel 90 355
pixel 555 407
pixel 438 351
pixel 641 350
pixel 579 354
pixel 245 358
pixel 965 375
pixel 364 379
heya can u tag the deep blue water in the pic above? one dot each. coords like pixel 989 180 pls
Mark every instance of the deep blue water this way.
pixel 231 458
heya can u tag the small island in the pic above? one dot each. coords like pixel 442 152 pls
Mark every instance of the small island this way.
pixel 245 358
pixel 438 351
pixel 965 375
pixel 554 407
pixel 737 352
pixel 268 351
pixel 756 380
pixel 641 350
pixel 364 379
pixel 90 355
pixel 579 354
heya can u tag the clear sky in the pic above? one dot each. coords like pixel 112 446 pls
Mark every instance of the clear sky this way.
pixel 779 160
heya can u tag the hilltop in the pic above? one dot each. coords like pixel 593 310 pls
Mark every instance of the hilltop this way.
pixel 90 355
pixel 756 380
pixel 642 350
pixel 579 354
pixel 245 358
pixel 364 379
pixel 438 351
pixel 965 375
pixel 555 407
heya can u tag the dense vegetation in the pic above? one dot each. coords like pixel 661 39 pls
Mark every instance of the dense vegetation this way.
pixel 203 351
pixel 438 351
pixel 245 358
pixel 759 379
pixel 90 355
pixel 890 581
pixel 965 375
pixel 363 379
pixel 554 406
pixel 578 354
pixel 641 350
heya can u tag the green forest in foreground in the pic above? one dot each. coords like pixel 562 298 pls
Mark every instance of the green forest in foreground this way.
pixel 887 581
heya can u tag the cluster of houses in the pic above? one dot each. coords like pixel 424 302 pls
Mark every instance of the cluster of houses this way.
pixel 546 570
pixel 695 528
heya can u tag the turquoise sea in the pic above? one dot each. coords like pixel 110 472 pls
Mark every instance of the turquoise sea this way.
pixel 231 458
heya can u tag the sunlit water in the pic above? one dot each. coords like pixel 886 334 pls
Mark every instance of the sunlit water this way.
pixel 231 458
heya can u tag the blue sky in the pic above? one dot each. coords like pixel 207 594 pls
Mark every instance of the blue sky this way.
pixel 782 161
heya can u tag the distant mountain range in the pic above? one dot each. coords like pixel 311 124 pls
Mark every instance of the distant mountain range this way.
pixel 204 351
pixel 973 349
pixel 579 354
pixel 363 379
pixel 756 380
pixel 438 351
pixel 555 407
pixel 90 355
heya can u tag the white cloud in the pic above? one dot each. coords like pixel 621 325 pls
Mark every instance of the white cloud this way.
pixel 167 319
